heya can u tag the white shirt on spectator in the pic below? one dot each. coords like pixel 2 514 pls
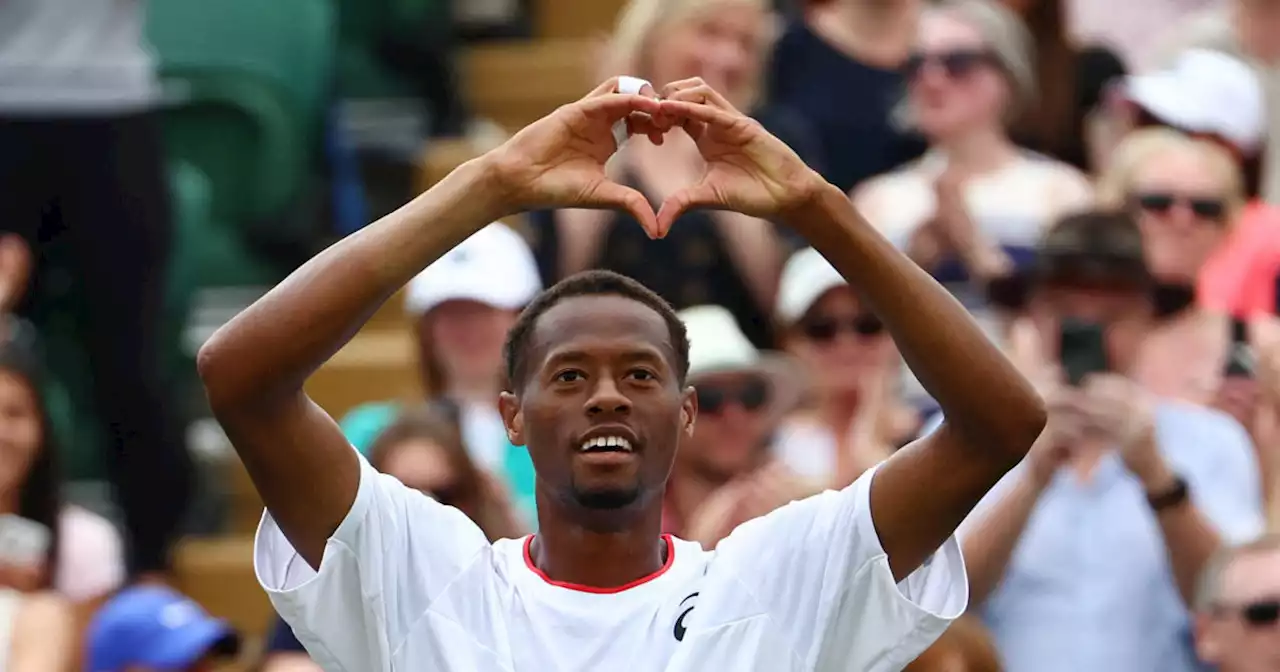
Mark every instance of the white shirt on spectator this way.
pixel 90 555
pixel 408 584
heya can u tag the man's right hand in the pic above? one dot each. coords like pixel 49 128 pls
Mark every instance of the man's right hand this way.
pixel 558 161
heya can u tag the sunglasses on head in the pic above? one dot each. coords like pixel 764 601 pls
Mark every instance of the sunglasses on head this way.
pixel 825 329
pixel 1162 202
pixel 955 64
pixel 751 396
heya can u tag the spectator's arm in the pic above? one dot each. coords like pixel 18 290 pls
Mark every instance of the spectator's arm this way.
pixel 44 637
pixel 990 536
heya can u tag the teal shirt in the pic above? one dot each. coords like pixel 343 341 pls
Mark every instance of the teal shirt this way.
pixel 363 424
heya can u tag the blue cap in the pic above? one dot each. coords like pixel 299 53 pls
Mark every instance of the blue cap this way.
pixel 155 627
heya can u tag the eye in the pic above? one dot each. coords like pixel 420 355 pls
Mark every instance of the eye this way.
pixel 569 376
pixel 642 374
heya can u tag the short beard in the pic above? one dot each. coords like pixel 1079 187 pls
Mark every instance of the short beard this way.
pixel 606 500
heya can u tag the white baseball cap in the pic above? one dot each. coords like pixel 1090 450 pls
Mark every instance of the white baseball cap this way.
pixel 1205 91
pixel 805 278
pixel 717 345
pixel 494 266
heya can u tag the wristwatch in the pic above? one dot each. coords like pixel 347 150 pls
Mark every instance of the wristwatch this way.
pixel 1172 496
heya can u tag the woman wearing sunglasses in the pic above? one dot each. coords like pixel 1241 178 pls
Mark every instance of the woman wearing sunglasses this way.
pixel 854 416
pixel 972 208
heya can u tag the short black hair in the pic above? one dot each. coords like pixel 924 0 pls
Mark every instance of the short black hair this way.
pixel 591 283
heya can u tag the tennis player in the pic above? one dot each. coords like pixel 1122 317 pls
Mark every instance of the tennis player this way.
pixel 374 577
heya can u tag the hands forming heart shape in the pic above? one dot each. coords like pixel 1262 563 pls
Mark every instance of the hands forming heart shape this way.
pixel 558 161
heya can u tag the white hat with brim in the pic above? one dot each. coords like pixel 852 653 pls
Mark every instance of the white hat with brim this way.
pixel 806 276
pixel 494 267
pixel 1205 92
pixel 717 346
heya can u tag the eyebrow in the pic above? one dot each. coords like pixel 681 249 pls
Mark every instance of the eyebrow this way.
pixel 638 355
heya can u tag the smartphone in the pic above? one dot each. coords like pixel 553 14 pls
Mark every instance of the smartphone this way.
pixel 23 542
pixel 1239 362
pixel 1082 349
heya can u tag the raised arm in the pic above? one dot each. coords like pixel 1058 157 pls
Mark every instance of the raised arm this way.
pixel 254 367
pixel 921 494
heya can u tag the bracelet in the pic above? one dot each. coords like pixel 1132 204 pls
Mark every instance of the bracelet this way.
pixel 1175 494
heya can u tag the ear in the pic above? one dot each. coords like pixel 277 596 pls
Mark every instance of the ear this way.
pixel 512 417
pixel 689 409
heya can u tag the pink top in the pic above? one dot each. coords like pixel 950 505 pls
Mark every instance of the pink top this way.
pixel 1240 278
pixel 91 556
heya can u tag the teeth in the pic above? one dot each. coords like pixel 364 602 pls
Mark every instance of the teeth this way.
pixel 607 442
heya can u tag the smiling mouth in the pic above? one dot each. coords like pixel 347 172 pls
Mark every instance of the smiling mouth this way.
pixel 605 444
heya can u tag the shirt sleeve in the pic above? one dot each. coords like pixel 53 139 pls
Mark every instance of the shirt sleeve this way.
pixel 1221 468
pixel 817 569
pixel 395 552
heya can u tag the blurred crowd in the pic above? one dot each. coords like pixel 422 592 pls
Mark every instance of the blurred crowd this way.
pixel 1097 182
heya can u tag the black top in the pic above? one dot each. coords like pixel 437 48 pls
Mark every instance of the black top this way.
pixel 848 103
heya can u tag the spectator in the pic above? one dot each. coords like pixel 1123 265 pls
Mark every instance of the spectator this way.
pixel 1245 29
pixel 1185 195
pixel 37 632
pixel 742 394
pixel 1086 555
pixel 423 449
pixel 154 628
pixel 1071 81
pixel 1238 624
pixel 83 559
pixel 849 423
pixel 972 208
pixel 840 66
pixel 463 306
pixel 717 258
pixel 83 173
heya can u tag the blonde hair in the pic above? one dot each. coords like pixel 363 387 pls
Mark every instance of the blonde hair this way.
pixel 1209 587
pixel 1141 147
pixel 1007 38
pixel 641 20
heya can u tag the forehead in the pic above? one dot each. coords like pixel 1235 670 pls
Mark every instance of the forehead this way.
pixel 1092 302
pixel 943 30
pixel 1252 575
pixel 1177 168
pixel 603 327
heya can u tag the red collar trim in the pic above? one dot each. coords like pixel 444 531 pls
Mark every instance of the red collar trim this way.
pixel 671 558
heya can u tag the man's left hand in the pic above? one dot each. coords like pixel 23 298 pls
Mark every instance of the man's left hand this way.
pixel 748 170
pixel 1120 412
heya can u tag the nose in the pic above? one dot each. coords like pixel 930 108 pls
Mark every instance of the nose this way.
pixel 607 399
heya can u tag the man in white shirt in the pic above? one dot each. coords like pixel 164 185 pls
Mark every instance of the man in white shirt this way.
pixel 375 577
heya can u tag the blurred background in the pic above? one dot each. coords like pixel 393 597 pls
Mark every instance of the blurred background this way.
pixel 164 162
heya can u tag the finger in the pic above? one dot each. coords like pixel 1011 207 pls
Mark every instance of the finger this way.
pixel 700 92
pixel 683 110
pixel 616 106
pixel 615 196
pixel 697 196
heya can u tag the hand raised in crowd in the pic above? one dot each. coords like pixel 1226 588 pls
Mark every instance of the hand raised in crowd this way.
pixel 1064 426
pixel 558 161
pixel 748 170
pixel 1120 412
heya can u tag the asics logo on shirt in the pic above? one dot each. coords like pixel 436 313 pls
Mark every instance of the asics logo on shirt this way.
pixel 679 627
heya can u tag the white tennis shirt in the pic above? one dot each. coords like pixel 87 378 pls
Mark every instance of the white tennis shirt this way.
pixel 409 584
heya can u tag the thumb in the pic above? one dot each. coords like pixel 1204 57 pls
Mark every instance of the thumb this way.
pixel 612 195
pixel 696 196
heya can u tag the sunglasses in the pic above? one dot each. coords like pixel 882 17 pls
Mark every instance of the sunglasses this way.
pixel 1261 614
pixel 751 396
pixel 825 330
pixel 1160 203
pixel 955 64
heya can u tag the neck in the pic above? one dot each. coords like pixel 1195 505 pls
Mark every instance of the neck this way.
pixel 473 389
pixel 879 32
pixel 978 151
pixel 838 411
pixel 568 550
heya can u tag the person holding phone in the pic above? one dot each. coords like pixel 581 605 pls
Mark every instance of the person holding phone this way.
pixel 1086 556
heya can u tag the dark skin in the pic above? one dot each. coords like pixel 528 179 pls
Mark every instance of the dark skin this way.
pixel 255 366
